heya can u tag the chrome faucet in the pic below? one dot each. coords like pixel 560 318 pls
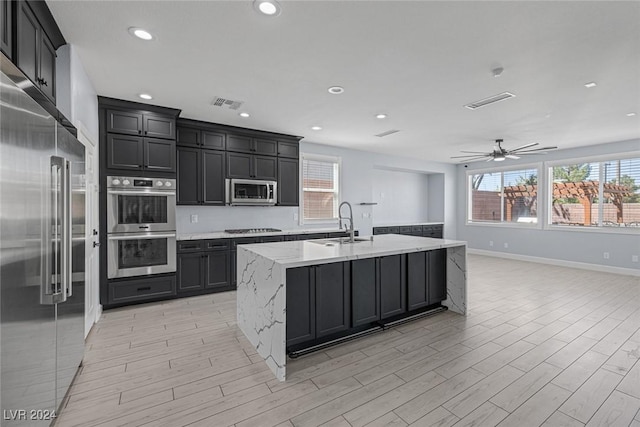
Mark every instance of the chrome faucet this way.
pixel 350 218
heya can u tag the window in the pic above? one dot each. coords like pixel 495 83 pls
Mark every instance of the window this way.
pixel 504 197
pixel 320 187
pixel 596 194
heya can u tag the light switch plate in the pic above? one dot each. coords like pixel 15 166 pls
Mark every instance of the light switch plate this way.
pixel 194 218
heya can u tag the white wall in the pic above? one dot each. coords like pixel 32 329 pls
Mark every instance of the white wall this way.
pixel 76 97
pixel 357 185
pixel 583 246
pixel 401 197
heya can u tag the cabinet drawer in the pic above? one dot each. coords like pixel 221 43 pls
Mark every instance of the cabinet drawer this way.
pixel 416 228
pixel 405 229
pixel 190 245
pixel 141 289
pixel 268 239
pixel 380 230
pixel 394 230
pixel 244 241
pixel 217 245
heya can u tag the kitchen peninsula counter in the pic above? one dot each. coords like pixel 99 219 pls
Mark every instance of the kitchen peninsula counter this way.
pixel 262 281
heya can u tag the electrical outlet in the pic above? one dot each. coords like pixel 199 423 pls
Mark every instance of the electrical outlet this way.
pixel 506 245
pixel 490 242
pixel 606 255
pixel 295 216
pixel 634 258
pixel 382 195
pixel 194 218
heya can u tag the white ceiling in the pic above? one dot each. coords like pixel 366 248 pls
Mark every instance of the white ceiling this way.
pixel 417 61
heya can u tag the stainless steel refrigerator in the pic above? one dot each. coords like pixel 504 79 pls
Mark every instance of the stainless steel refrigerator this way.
pixel 41 256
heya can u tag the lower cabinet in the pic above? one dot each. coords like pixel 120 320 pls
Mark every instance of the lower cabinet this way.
pixel 391 276
pixel 141 289
pixel 203 265
pixel 318 301
pixel 326 301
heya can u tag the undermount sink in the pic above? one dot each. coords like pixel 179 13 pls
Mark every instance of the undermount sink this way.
pixel 340 241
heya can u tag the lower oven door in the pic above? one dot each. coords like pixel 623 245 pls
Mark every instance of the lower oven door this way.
pixel 138 254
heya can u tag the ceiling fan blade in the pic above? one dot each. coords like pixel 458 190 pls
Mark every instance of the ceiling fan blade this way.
pixel 490 159
pixel 535 149
pixel 474 152
pixel 511 156
pixel 472 155
pixel 526 153
pixel 524 146
pixel 473 159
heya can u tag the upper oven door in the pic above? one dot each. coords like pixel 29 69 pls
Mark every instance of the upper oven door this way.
pixel 130 211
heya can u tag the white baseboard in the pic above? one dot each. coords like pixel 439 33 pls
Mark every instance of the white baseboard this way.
pixel 561 263
pixel 98 313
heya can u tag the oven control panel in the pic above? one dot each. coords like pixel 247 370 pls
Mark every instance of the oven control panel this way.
pixel 141 183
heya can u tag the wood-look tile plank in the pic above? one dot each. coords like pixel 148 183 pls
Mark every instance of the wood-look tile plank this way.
pixel 439 417
pixel 503 357
pixel 487 415
pixel 630 384
pixel 576 374
pixel 558 419
pixel 585 401
pixel 538 408
pixel 524 387
pixel 617 411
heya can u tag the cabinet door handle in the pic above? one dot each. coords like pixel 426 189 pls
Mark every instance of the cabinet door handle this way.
pixel 139 132
pixel 145 132
pixel 44 82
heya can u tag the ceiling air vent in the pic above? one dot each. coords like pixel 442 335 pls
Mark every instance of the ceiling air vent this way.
pixel 495 98
pixel 226 103
pixel 387 133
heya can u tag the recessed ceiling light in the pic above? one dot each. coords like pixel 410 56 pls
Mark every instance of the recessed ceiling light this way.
pixel 140 33
pixel 145 96
pixel 316 128
pixel 631 114
pixel 590 84
pixel 381 116
pixel 244 115
pixel 336 90
pixel 267 7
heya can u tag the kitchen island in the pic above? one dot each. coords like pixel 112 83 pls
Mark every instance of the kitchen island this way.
pixel 334 288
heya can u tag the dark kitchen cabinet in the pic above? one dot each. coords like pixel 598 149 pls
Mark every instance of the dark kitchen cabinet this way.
pixel 140 290
pixel 140 123
pixel 203 265
pixel 6 27
pixel 137 153
pixel 301 305
pixel 288 149
pixel 391 276
pixel 437 275
pixel 193 137
pixel 365 292
pixel 318 301
pixel 417 280
pixel 288 178
pixel 200 176
pixel 190 272
pixel 333 298
pixel 250 166
pixel 35 54
pixel 434 231
pixel 249 144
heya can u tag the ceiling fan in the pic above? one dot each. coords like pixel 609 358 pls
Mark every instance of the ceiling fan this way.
pixel 499 154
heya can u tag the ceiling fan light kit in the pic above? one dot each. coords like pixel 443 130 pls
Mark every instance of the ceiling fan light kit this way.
pixel 500 154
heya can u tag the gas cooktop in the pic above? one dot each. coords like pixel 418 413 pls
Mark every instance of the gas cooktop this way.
pixel 251 230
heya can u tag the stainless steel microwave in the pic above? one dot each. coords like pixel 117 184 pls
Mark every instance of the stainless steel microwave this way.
pixel 251 192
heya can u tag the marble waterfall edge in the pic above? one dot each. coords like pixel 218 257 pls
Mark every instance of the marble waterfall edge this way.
pixel 261 312
pixel 456 280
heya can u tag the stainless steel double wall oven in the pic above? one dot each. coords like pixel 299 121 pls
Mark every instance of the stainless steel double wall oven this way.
pixel 141 223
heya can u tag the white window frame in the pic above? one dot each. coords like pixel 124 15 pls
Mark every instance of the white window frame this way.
pixel 572 161
pixel 337 188
pixel 541 185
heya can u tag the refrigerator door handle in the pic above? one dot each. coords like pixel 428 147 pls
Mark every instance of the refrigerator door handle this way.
pixel 53 246
pixel 67 279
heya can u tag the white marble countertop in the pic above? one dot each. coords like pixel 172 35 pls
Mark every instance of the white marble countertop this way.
pixel 225 235
pixel 397 224
pixel 301 253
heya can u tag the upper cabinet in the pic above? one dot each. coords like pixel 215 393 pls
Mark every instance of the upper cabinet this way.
pixel 36 39
pixel 253 145
pixel 143 124
pixel 137 136
pixel 6 24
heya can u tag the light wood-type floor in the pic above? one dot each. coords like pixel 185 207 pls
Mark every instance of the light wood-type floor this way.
pixel 542 345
